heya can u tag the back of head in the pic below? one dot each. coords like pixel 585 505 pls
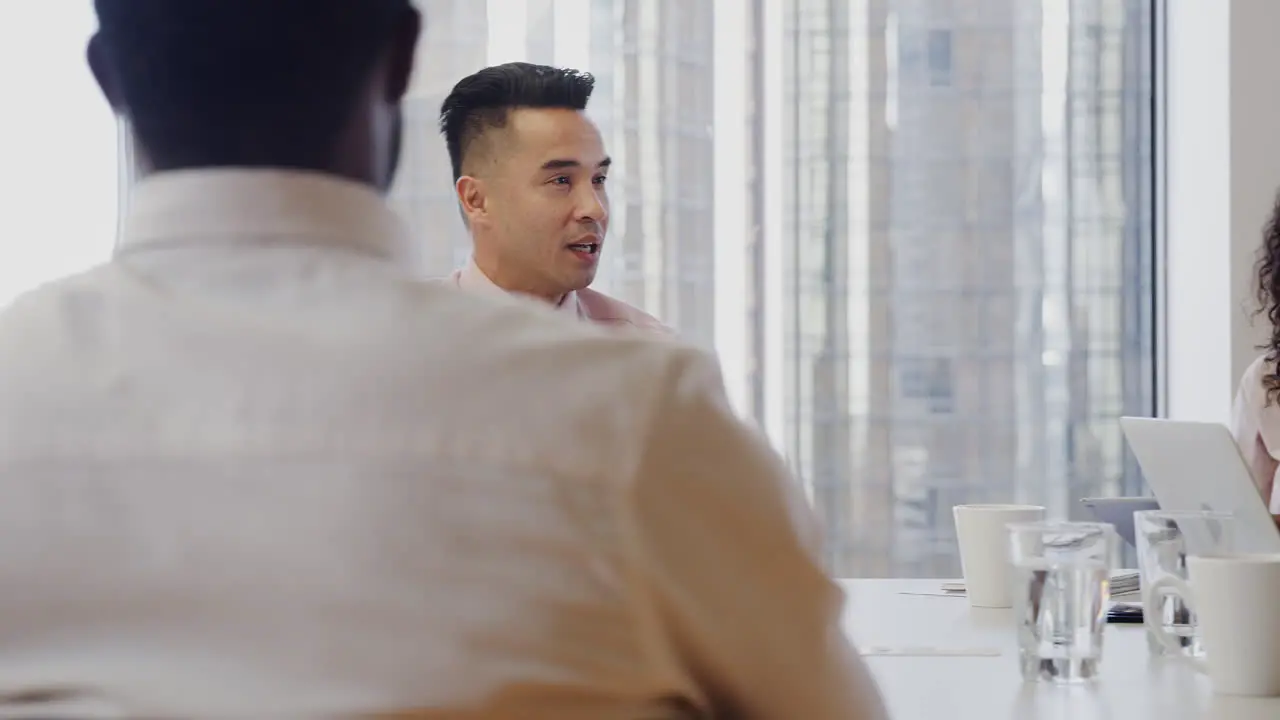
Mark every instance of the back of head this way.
pixel 245 82
pixel 483 101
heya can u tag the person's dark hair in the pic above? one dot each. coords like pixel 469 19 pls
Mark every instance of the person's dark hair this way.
pixel 241 82
pixel 482 101
pixel 1268 294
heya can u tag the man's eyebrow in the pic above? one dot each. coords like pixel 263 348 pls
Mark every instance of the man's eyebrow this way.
pixel 561 164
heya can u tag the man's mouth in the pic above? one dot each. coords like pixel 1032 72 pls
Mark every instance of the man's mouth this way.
pixel 590 248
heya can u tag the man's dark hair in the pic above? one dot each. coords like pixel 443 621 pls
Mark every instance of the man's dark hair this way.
pixel 483 101
pixel 242 82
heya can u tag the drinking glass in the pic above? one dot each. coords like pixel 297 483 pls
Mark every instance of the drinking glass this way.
pixel 1164 540
pixel 1060 592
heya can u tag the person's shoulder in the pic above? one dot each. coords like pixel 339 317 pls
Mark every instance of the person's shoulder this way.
pixel 443 307
pixel 1257 371
pixel 607 310
pixel 39 327
pixel 522 363
pixel 1252 390
pixel 1255 395
pixel 1255 410
pixel 593 348
pixel 541 338
pixel 50 297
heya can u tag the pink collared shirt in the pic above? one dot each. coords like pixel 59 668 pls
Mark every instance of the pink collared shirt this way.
pixel 1256 426
pixel 586 304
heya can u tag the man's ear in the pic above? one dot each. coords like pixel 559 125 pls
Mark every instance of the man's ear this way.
pixel 104 73
pixel 472 198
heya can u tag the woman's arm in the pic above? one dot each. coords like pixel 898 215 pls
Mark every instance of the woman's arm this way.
pixel 1263 468
pixel 1253 422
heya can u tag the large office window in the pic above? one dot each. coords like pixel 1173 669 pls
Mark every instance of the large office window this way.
pixel 967 231
pixel 938 284
pixel 917 232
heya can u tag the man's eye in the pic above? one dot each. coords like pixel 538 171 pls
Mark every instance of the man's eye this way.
pixel 560 180
pixel 599 179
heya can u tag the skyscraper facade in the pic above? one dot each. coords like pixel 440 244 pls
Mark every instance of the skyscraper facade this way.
pixel 968 262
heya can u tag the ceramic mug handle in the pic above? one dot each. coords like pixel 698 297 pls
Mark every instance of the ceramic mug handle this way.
pixel 1151 617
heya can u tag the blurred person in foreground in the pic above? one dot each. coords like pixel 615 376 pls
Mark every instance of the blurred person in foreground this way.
pixel 251 467
pixel 530 172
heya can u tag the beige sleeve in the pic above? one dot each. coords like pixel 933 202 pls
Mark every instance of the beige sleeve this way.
pixel 723 551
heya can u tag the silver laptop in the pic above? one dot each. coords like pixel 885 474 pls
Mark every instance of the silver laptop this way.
pixel 1197 466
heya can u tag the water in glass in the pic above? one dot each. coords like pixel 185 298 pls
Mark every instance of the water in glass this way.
pixel 1061 613
pixel 1061 591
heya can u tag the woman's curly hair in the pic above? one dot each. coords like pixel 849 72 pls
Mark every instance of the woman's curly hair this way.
pixel 1268 295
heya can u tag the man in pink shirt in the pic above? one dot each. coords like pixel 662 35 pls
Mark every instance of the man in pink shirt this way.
pixel 529 169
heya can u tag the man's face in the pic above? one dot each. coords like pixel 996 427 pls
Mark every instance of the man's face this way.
pixel 547 208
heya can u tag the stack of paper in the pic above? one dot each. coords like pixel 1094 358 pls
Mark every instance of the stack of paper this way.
pixel 1121 584
pixel 1124 584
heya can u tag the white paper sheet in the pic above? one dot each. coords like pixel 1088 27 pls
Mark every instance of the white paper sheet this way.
pixel 925 651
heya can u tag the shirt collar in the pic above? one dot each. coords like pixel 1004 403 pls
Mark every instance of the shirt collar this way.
pixel 472 278
pixel 201 207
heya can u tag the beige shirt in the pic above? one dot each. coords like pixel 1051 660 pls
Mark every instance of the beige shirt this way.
pixel 585 304
pixel 252 468
pixel 1256 426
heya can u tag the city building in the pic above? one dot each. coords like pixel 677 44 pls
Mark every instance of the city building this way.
pixel 968 249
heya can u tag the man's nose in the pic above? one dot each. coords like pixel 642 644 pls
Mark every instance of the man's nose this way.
pixel 592 205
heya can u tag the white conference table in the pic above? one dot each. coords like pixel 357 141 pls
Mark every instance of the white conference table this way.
pixel 882 618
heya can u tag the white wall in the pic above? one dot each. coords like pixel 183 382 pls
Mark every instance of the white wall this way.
pixel 58 151
pixel 1222 153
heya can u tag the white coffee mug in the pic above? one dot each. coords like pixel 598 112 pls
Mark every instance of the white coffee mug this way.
pixel 1235 600
pixel 982 533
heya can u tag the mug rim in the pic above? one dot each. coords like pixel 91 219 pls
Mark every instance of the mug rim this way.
pixel 1183 514
pixel 1063 525
pixel 996 507
pixel 1235 559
